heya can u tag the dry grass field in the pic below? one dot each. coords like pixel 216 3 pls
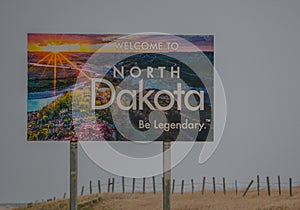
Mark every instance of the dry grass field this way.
pixel 187 201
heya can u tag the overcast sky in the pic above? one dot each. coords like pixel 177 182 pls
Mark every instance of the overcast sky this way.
pixel 256 55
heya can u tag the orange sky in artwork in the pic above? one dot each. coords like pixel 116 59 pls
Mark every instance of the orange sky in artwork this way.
pixel 67 42
pixel 93 42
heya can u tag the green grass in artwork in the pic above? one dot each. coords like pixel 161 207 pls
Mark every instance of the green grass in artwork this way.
pixel 53 121
pixel 68 117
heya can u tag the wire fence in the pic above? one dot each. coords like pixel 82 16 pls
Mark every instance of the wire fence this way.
pixel 155 184
pixel 203 185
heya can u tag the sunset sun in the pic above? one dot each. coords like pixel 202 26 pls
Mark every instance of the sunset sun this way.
pixel 56 57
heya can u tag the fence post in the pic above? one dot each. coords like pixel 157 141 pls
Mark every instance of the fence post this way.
pixel 144 185
pixel 173 186
pixel 279 186
pixel 153 179
pixel 236 187
pixel 123 184
pixel 224 186
pixel 192 181
pixel 291 187
pixel 257 185
pixel 113 185
pixel 162 184
pixel 214 184
pixel 65 194
pixel 99 186
pixel 203 185
pixel 268 185
pixel 91 189
pixel 182 186
pixel 133 184
pixel 108 185
pixel 248 188
pixel 82 190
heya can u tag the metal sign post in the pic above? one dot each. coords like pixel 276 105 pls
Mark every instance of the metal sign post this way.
pixel 73 174
pixel 166 175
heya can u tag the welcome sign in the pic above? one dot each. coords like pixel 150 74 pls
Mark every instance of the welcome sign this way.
pixel 114 87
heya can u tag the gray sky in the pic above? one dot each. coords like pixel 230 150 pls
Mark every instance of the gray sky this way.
pixel 256 54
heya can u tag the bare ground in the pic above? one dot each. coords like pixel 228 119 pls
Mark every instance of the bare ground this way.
pixel 187 201
pixel 197 201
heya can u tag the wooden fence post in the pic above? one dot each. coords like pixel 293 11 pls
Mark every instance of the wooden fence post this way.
pixel 144 185
pixel 153 180
pixel 182 186
pixel 192 182
pixel 203 185
pixel 236 187
pixel 248 188
pixel 133 184
pixel 268 186
pixel 162 184
pixel 279 186
pixel 91 189
pixel 82 190
pixel 173 186
pixel 123 184
pixel 65 194
pixel 214 184
pixel 291 187
pixel 113 185
pixel 257 185
pixel 99 186
pixel 224 186
pixel 108 185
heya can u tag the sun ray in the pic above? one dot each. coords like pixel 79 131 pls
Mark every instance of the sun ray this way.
pixel 41 60
pixel 74 66
pixel 60 61
pixel 48 63
pixel 54 76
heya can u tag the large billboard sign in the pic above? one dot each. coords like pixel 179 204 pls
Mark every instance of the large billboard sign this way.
pixel 115 87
